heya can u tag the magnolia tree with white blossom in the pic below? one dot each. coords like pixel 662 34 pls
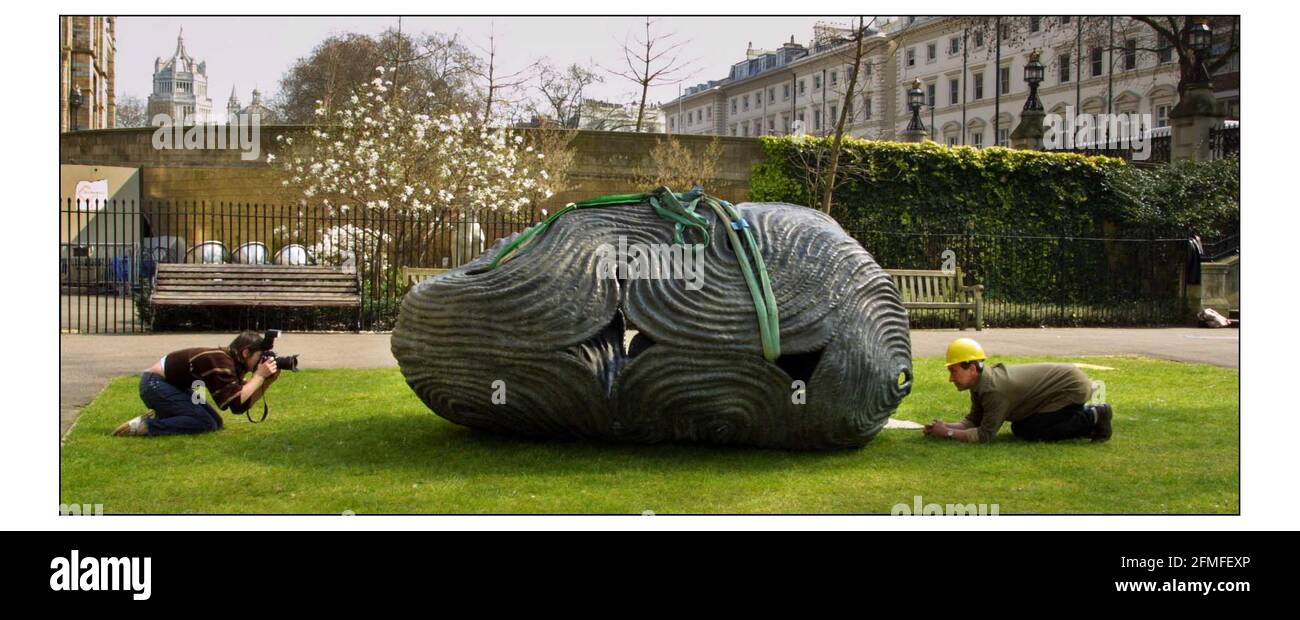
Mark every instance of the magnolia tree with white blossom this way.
pixel 428 173
pixel 372 153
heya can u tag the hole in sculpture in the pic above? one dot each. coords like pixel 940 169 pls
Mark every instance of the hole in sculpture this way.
pixel 800 366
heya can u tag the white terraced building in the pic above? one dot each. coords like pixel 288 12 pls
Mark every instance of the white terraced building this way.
pixel 800 88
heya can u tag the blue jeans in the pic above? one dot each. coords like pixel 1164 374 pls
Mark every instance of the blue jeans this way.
pixel 177 414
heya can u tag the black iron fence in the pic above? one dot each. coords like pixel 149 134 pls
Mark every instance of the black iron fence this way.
pixel 109 250
pixel 1048 281
pixel 1159 152
pixel 1225 141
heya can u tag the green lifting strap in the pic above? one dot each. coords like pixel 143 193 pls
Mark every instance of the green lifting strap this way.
pixel 680 209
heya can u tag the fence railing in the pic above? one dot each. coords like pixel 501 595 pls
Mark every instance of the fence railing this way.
pixel 1225 141
pixel 108 253
pixel 1047 281
pixel 1159 154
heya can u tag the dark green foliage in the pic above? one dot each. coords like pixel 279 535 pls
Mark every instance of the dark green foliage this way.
pixel 1042 231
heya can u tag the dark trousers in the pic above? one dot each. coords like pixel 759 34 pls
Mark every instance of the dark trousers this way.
pixel 177 413
pixel 1072 422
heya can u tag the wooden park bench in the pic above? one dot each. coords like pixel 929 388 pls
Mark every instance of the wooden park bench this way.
pixel 297 286
pixel 924 289
pixel 414 275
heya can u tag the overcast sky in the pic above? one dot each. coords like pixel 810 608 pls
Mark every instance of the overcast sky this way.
pixel 255 51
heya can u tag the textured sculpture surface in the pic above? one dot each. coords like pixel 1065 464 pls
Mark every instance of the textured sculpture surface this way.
pixel 541 345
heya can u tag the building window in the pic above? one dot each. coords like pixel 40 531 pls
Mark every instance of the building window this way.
pixel 929 94
pixel 1035 24
pixel 911 57
pixel 952 140
pixel 733 130
pixel 817 82
pixel 1130 54
pixel 771 125
pixel 1065 20
pixel 868 67
pixel 801 87
pixel 835 113
pixel 835 78
pixel 979 39
pixel 1005 31
pixel 977 139
pixel 817 120
pixel 1162 115
pixel 866 106
pixel 1063 67
pixel 758 126
pixel 1096 61
pixel 672 123
pixel 954 46
pixel 785 92
pixel 733 109
pixel 931 52
pixel 954 91
pixel 1004 136
pixel 771 95
pixel 758 99
pixel 1004 80
pixel 785 123
pixel 979 86
pixel 745 105
pixel 1166 52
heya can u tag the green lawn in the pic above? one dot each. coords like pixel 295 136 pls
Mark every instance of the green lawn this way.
pixel 359 440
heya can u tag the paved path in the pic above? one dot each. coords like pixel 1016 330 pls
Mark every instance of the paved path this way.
pixel 87 363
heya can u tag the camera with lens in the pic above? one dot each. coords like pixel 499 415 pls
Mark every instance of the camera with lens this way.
pixel 282 362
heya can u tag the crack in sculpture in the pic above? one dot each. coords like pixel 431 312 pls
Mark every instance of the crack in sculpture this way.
pixel 558 336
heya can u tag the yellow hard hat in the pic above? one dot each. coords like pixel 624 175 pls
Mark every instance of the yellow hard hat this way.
pixel 965 350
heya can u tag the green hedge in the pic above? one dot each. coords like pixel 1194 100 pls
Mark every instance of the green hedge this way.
pixel 934 188
pixel 1009 216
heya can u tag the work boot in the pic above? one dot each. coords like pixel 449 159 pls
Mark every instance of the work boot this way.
pixel 1101 430
pixel 135 427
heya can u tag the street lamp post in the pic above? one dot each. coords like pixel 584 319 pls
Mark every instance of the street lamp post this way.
pixel 915 131
pixel 75 100
pixel 1197 113
pixel 1029 133
pixel 1199 38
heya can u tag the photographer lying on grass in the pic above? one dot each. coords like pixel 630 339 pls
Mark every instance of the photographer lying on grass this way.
pixel 172 388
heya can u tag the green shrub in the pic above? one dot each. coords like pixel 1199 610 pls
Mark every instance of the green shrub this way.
pixel 1184 198
pixel 932 188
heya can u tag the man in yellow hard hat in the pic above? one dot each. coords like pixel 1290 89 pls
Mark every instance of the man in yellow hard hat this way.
pixel 1043 402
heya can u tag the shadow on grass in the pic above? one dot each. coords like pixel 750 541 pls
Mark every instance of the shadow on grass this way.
pixel 423 442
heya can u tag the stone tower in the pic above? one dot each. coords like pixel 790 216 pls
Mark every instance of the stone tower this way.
pixel 180 87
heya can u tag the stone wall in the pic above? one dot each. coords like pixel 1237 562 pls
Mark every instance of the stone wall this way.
pixel 604 163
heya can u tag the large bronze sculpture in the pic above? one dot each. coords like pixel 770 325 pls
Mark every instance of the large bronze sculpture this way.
pixel 543 338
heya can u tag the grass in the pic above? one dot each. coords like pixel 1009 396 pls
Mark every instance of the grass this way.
pixel 360 440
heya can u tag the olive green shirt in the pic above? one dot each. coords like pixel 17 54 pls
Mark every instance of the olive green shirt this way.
pixel 1013 393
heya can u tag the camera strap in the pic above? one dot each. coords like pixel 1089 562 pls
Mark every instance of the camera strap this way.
pixel 265 410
